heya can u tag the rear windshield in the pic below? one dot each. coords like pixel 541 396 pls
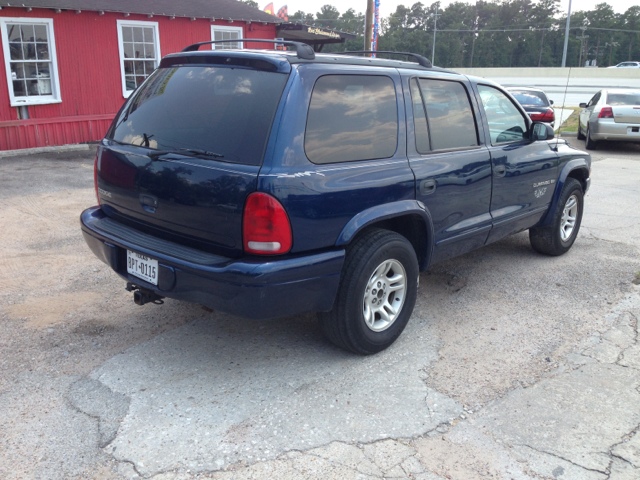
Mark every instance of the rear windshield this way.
pixel 533 99
pixel 623 99
pixel 227 111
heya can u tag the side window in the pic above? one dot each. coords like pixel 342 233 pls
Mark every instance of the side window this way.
pixel 506 123
pixel 594 100
pixel 449 114
pixel 30 60
pixel 139 52
pixel 419 118
pixel 351 117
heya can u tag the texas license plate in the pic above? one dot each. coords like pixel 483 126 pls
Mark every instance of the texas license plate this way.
pixel 142 267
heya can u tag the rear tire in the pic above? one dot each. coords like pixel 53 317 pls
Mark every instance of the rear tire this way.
pixel 580 134
pixel 590 144
pixel 379 277
pixel 557 238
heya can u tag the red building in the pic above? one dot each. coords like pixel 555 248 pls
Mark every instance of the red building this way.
pixel 70 64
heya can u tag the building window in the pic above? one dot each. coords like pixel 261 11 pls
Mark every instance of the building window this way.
pixel 30 60
pixel 226 33
pixel 139 52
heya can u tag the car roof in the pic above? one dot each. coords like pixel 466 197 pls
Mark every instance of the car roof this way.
pixel 529 89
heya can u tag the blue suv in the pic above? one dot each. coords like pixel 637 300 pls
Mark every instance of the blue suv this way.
pixel 271 183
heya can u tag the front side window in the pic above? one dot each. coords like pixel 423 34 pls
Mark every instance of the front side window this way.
pixel 139 52
pixel 30 60
pixel 449 114
pixel 351 118
pixel 226 33
pixel 506 123
pixel 594 100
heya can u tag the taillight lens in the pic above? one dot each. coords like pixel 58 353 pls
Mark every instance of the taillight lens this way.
pixel 95 178
pixel 606 112
pixel 547 116
pixel 265 226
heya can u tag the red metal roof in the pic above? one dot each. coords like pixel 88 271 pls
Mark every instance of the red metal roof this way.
pixel 219 9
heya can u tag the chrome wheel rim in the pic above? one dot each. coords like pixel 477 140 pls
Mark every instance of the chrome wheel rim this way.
pixel 384 295
pixel 569 216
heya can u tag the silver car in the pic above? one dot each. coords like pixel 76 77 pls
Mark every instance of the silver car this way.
pixel 610 115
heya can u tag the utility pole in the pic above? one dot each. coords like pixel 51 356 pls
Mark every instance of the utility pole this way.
pixel 582 38
pixel 566 37
pixel 435 27
pixel 473 47
pixel 541 45
pixel 368 25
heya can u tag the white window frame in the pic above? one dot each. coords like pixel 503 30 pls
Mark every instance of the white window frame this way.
pixel 224 28
pixel 135 23
pixel 55 96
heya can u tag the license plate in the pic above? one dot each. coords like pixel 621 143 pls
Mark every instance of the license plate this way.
pixel 633 130
pixel 142 267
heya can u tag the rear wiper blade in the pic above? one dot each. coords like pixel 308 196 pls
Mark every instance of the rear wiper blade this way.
pixel 185 151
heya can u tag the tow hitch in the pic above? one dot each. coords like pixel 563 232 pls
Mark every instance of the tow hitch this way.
pixel 142 296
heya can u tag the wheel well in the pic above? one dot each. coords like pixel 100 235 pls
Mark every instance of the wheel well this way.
pixel 411 227
pixel 580 174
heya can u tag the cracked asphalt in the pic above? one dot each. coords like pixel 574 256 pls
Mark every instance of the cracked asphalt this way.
pixel 513 366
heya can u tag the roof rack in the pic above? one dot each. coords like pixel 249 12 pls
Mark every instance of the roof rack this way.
pixel 422 61
pixel 303 50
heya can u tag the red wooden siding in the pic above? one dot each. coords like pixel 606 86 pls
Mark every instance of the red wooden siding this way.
pixel 89 72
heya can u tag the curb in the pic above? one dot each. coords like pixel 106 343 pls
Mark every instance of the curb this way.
pixel 52 149
pixel 569 134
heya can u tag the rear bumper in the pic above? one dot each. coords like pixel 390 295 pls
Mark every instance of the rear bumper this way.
pixel 253 287
pixel 607 129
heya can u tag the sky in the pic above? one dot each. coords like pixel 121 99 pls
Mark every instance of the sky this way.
pixel 387 7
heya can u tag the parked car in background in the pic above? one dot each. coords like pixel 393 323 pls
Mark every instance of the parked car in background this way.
pixel 271 183
pixel 610 115
pixel 627 65
pixel 536 103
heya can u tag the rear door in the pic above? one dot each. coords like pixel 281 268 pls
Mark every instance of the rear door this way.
pixel 184 153
pixel 451 165
pixel 524 171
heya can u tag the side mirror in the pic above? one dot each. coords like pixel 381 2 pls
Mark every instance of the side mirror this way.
pixel 550 102
pixel 541 131
pixel 583 105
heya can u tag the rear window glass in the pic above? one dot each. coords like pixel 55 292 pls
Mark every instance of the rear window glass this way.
pixel 451 121
pixel 533 99
pixel 224 110
pixel 614 99
pixel 351 117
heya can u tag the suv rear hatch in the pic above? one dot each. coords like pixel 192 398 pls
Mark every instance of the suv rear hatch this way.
pixel 625 107
pixel 185 151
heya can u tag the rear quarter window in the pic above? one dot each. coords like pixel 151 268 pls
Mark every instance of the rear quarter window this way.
pixel 351 118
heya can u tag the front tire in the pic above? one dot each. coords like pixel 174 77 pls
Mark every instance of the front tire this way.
pixel 558 237
pixel 376 295
pixel 590 144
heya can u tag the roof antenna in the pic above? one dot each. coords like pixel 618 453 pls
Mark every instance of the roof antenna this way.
pixel 563 102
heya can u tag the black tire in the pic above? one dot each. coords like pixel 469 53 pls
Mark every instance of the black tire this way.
pixel 590 144
pixel 580 134
pixel 548 240
pixel 345 325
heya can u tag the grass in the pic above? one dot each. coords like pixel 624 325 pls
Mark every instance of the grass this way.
pixel 571 123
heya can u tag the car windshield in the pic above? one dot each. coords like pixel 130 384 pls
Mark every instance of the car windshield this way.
pixel 615 99
pixel 224 110
pixel 529 98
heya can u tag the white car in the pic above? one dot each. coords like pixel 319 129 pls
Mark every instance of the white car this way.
pixel 626 65
pixel 610 115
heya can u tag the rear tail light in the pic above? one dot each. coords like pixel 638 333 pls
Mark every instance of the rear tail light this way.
pixel 547 116
pixel 606 112
pixel 95 178
pixel 265 226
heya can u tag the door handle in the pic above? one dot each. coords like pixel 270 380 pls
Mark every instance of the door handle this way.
pixel 499 170
pixel 427 187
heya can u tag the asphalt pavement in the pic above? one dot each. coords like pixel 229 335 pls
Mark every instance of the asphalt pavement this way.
pixel 514 365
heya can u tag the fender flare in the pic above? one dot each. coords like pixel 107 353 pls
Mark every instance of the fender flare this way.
pixel 387 211
pixel 572 165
